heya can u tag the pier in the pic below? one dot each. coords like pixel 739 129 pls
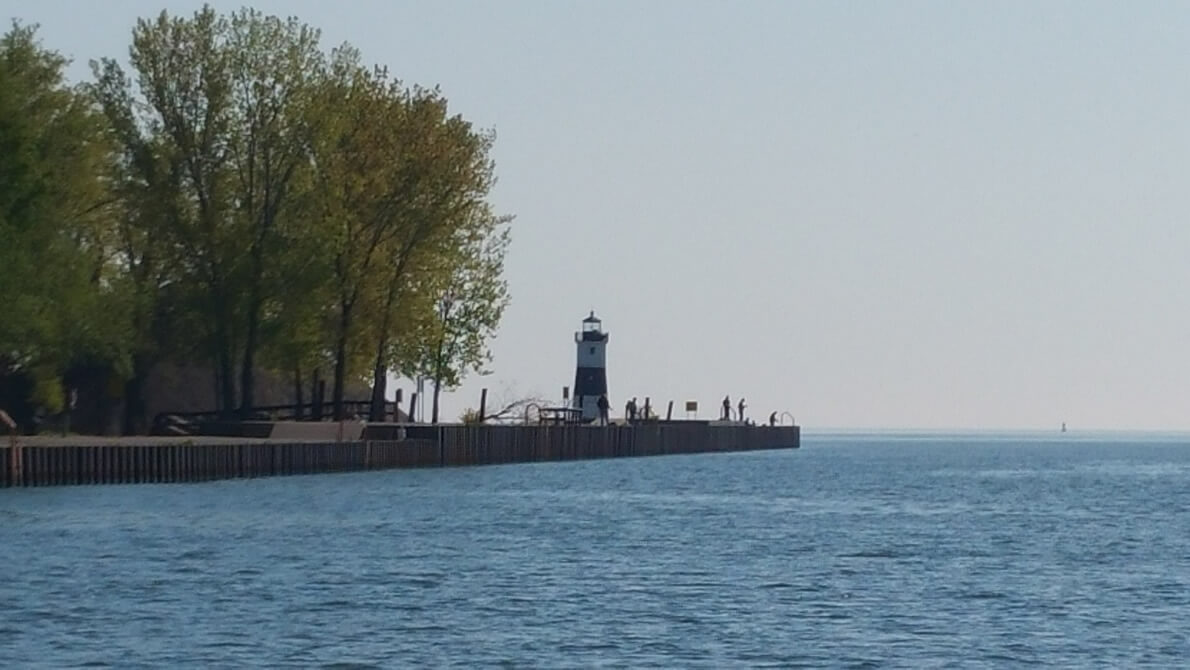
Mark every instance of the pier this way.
pixel 46 461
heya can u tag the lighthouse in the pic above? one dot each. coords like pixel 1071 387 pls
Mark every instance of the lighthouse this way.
pixel 590 373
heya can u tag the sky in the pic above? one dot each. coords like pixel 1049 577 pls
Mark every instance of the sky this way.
pixel 867 214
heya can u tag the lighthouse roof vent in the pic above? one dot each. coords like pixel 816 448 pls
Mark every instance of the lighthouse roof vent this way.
pixel 592 330
pixel 592 324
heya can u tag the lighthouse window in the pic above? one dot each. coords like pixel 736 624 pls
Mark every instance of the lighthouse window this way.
pixel 592 351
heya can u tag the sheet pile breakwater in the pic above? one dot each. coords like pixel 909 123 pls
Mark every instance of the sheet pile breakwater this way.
pixel 168 460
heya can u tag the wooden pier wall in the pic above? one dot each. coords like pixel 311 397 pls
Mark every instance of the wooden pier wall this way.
pixel 425 446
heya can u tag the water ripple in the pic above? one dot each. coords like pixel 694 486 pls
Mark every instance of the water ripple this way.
pixel 860 554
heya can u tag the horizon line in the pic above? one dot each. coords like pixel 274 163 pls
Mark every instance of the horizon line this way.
pixel 985 429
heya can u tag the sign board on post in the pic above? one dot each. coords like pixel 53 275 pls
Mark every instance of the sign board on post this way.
pixel 691 405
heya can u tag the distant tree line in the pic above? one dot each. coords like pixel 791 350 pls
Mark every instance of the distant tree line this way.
pixel 242 198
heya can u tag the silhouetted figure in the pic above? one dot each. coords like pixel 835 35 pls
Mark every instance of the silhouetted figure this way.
pixel 742 406
pixel 726 408
pixel 603 405
pixel 773 419
pixel 645 415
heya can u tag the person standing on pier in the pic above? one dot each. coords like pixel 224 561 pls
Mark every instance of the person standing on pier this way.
pixel 604 405
pixel 726 408
pixel 742 406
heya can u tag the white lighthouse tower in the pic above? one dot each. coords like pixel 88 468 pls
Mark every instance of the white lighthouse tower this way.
pixel 590 374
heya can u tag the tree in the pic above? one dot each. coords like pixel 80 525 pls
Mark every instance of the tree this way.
pixel 54 204
pixel 298 310
pixel 361 179
pixel 183 78
pixel 391 173
pixel 240 197
pixel 273 69
pixel 468 306
pixel 507 406
pixel 227 102
pixel 147 185
pixel 454 177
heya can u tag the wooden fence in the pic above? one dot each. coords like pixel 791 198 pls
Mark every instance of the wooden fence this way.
pixel 424 446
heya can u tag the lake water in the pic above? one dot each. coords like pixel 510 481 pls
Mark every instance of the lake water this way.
pixel 856 551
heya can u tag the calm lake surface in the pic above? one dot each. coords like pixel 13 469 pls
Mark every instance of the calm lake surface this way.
pixel 895 550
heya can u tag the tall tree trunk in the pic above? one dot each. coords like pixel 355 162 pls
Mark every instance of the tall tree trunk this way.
pixel 439 365
pixel 105 408
pixel 225 357
pixel 248 370
pixel 218 407
pixel 133 422
pixel 379 388
pixel 227 378
pixel 316 395
pixel 299 412
pixel 340 364
pixel 380 370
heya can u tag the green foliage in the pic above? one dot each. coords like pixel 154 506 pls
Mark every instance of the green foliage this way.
pixel 241 197
pixel 58 281
pixel 47 388
pixel 468 302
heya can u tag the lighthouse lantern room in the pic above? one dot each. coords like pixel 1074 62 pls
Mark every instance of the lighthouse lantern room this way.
pixel 590 375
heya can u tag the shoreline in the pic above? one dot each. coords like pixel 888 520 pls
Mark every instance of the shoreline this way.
pixel 78 460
